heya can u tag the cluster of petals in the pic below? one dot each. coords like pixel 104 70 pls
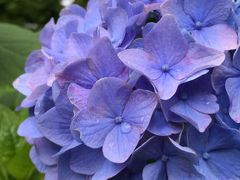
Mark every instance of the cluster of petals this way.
pixel 138 90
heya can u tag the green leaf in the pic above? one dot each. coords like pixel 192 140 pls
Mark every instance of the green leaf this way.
pixel 10 97
pixel 14 160
pixel 15 45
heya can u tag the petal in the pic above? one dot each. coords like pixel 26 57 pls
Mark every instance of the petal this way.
pixel 93 129
pixel 78 47
pixel 78 96
pixel 28 128
pixel 40 166
pixel 215 138
pixel 56 128
pixel 208 12
pixel 166 42
pixel 105 63
pixel 139 109
pixel 140 61
pixel 232 87
pixel 79 73
pixel 64 171
pixel 166 80
pixel 20 84
pixel 199 120
pixel 198 58
pixel 220 37
pixel 108 97
pixel 45 150
pixel 175 7
pixel 160 127
pixel 85 160
pixel 116 20
pixel 204 103
pixel 155 171
pixel 46 33
pixel 180 167
pixel 222 72
pixel 120 144
pixel 108 170
pixel 61 35
pixel 225 164
pixel 30 101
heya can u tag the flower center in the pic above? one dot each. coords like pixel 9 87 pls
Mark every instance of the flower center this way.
pixel 205 156
pixel 118 120
pixel 198 25
pixel 165 68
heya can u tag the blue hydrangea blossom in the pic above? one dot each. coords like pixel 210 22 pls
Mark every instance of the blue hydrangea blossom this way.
pixel 138 90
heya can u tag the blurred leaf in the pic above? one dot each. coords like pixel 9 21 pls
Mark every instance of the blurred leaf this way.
pixel 15 45
pixel 14 160
pixel 10 97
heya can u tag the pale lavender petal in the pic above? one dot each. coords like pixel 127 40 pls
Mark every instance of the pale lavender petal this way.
pixel 198 58
pixel 121 142
pixel 139 109
pixel 220 37
pixel 166 42
pixel 199 120
pixel 28 128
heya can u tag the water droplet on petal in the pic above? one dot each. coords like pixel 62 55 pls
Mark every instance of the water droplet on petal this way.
pixel 205 156
pixel 125 127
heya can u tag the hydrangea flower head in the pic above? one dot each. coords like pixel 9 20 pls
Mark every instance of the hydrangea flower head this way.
pixel 135 90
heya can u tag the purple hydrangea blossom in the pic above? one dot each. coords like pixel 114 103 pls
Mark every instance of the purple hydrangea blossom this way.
pixel 205 20
pixel 118 118
pixel 122 90
pixel 168 59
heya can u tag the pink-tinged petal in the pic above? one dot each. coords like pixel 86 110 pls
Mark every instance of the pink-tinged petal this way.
pixel 142 62
pixel 30 101
pixel 198 58
pixel 198 120
pixel 121 142
pixel 220 37
pixel 78 47
pixel 204 103
pixel 233 89
pixel 166 86
pixel 139 109
pixel 78 95
pixel 21 84
pixel 166 42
